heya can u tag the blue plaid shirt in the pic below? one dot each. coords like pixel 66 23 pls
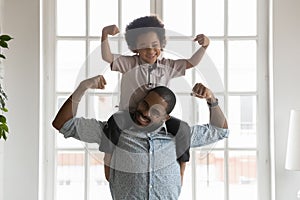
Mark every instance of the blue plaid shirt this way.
pixel 143 165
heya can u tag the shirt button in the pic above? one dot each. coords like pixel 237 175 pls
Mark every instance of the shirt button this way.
pixel 150 152
pixel 150 186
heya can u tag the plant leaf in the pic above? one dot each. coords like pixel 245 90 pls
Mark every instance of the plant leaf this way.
pixel 2 119
pixel 4 136
pixel 3 44
pixel 5 37
pixel 4 127
pixel 2 56
pixel 4 109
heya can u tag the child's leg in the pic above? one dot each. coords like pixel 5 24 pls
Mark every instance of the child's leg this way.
pixel 181 131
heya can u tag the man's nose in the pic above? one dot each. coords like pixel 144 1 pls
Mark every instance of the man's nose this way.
pixel 146 113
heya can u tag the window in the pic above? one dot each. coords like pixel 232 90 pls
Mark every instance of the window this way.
pixel 234 67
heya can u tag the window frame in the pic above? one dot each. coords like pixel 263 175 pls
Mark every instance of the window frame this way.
pixel 156 6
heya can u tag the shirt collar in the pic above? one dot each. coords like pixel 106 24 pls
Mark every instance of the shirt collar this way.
pixel 158 61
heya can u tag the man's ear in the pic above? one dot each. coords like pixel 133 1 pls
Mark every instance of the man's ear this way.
pixel 167 117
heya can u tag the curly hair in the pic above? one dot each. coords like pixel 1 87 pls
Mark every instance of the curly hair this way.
pixel 144 25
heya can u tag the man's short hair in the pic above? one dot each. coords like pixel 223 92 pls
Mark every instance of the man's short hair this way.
pixel 167 95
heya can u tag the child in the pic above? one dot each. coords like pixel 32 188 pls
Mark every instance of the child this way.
pixel 146 69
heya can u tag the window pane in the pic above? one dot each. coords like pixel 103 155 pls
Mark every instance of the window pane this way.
pixel 215 52
pixel 182 84
pixel 71 17
pixel 98 66
pixel 70 65
pixel 134 9
pixel 210 17
pixel 183 109
pixel 177 16
pixel 211 67
pixel 99 186
pixel 124 49
pixel 101 107
pixel 242 175
pixel 102 13
pixel 242 17
pixel 70 175
pixel 186 190
pixel 242 65
pixel 61 142
pixel 210 175
pixel 242 121
pixel 176 49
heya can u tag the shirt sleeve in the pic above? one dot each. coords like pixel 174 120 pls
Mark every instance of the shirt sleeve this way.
pixel 206 134
pixel 123 63
pixel 86 130
pixel 176 68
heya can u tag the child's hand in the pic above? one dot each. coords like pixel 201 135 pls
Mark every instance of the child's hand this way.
pixel 110 30
pixel 202 40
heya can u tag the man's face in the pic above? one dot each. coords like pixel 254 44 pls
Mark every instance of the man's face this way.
pixel 148 46
pixel 151 111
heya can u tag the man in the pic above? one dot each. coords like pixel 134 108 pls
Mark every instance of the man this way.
pixel 144 163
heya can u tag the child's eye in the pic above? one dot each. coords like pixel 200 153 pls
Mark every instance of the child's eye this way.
pixel 155 45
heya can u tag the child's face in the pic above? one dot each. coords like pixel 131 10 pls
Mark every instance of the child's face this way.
pixel 148 47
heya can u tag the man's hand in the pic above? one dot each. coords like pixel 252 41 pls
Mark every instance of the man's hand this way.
pixel 202 92
pixel 110 30
pixel 202 40
pixel 97 82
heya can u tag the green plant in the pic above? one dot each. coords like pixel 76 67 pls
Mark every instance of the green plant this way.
pixel 3 97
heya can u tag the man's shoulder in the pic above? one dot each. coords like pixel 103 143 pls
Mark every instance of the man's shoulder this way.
pixel 121 119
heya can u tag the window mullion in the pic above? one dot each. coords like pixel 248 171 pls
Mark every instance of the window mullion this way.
pixel 156 7
pixel 226 153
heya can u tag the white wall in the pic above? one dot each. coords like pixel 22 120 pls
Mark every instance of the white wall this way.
pixel 1 141
pixel 286 89
pixel 20 175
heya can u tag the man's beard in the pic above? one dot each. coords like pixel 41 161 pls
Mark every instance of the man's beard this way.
pixel 149 128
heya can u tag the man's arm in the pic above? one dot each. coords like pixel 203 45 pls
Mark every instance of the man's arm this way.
pixel 105 48
pixel 217 128
pixel 197 56
pixel 69 108
pixel 217 117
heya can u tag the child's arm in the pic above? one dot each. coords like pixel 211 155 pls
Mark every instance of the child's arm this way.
pixel 105 49
pixel 182 169
pixel 197 56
